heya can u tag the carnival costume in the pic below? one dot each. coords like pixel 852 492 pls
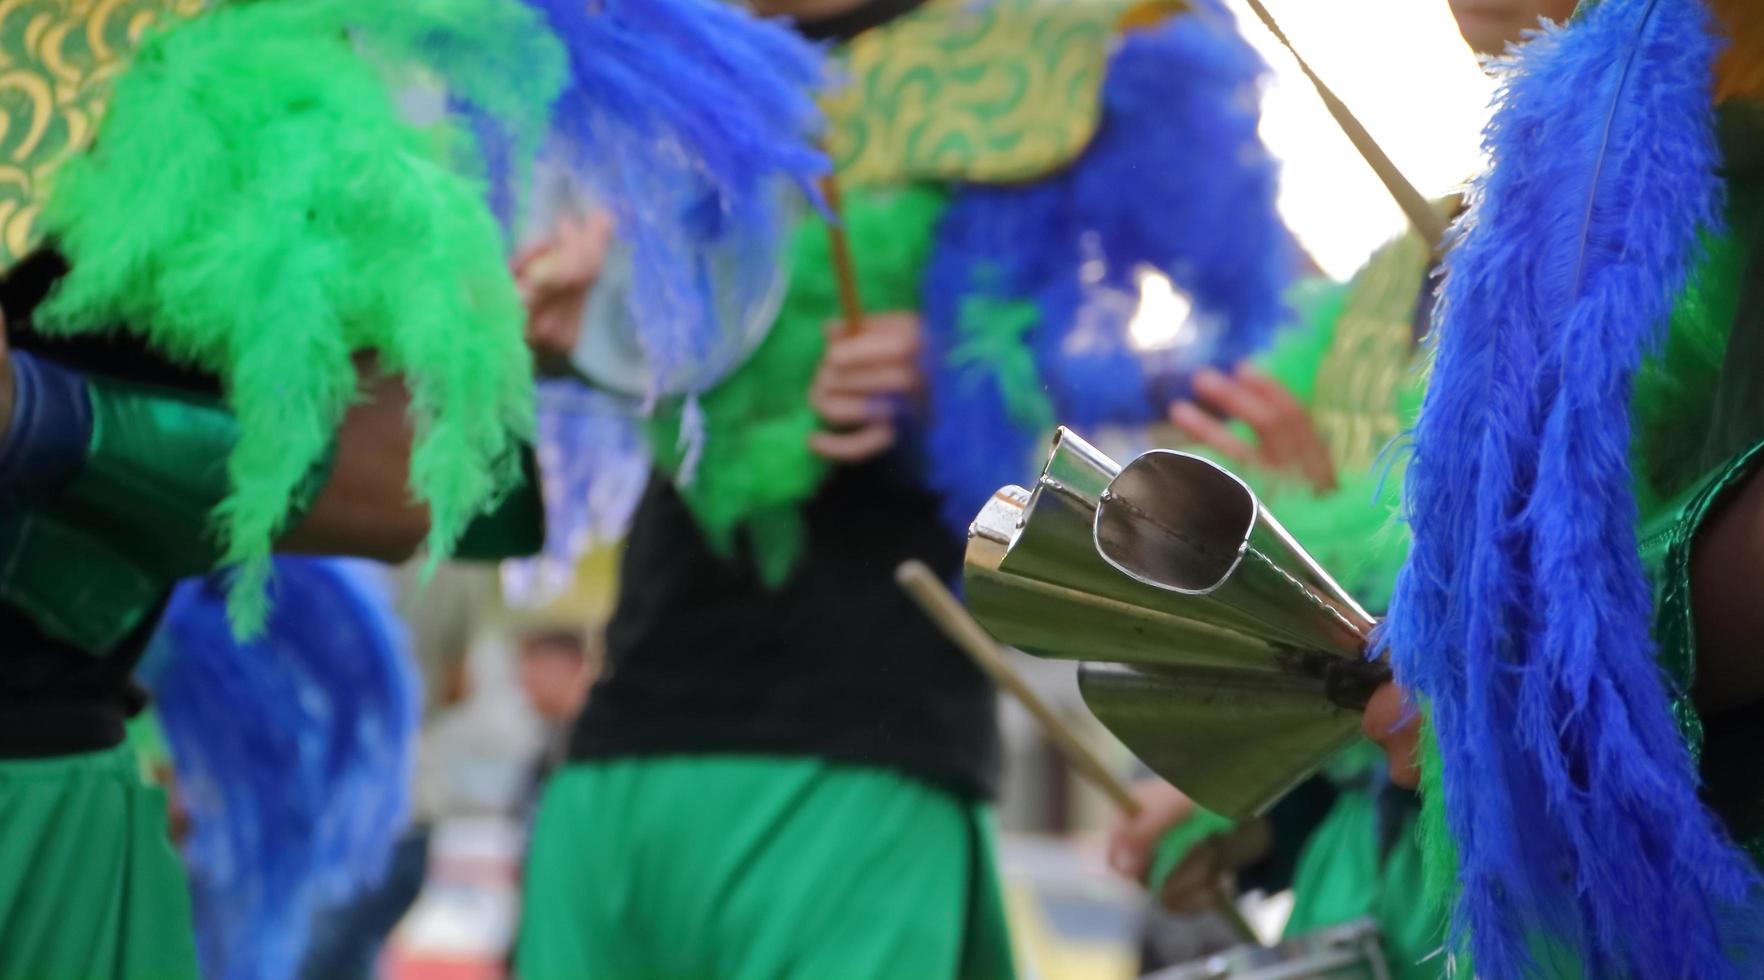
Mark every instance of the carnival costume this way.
pixel 253 211
pixel 1348 849
pixel 1592 398
pixel 778 721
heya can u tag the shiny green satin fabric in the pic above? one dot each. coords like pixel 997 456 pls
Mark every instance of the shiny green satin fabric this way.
pixel 90 888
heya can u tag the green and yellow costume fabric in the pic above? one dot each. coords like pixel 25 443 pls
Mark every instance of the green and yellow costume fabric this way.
pixel 1353 362
pixel 165 167
pixel 995 93
pixel 58 61
pixel 941 95
pixel 972 120
pixel 249 210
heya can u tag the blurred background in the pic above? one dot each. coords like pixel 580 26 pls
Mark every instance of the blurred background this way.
pixel 502 682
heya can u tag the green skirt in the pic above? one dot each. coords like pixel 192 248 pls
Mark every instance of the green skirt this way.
pixel 90 888
pixel 1341 876
pixel 689 867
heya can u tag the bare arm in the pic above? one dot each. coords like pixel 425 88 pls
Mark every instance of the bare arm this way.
pixel 1727 567
pixel 365 507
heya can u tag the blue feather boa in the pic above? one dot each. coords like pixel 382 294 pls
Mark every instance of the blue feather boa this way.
pixel 686 118
pixel 1176 179
pixel 1523 616
pixel 292 753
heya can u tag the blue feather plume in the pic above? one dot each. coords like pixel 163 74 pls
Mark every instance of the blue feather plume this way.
pixel 1176 179
pixel 1523 616
pixel 593 465
pixel 688 119
pixel 292 753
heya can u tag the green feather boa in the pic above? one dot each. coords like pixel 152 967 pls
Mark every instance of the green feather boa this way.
pixel 756 466
pixel 255 206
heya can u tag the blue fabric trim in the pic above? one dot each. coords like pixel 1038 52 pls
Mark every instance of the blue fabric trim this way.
pixel 45 443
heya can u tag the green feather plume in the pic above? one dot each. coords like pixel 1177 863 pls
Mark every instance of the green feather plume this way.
pixel 255 206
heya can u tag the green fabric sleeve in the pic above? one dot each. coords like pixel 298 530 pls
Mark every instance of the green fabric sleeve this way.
pixel 1296 355
pixel 91 564
pixel 72 584
pixel 155 470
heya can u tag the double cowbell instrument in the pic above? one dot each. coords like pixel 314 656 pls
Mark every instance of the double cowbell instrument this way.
pixel 1210 642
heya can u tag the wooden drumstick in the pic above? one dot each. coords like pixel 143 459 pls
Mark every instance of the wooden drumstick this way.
pixel 844 270
pixel 949 615
pixel 1420 211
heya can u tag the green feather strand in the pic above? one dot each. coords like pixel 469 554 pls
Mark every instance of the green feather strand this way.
pixel 1439 850
pixel 756 466
pixel 255 206
pixel 1353 531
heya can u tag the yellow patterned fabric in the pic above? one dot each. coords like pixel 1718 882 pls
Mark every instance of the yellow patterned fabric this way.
pixel 998 92
pixel 1373 354
pixel 57 58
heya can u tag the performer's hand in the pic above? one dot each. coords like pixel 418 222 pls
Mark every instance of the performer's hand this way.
pixel 862 379
pixel 1133 840
pixel 1202 879
pixel 555 276
pixel 1286 440
pixel 1395 727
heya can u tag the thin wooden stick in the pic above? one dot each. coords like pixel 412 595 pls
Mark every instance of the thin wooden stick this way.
pixel 947 612
pixel 1420 211
pixel 844 270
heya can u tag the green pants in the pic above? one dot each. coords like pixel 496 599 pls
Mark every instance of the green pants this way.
pixel 1341 876
pixel 90 888
pixel 733 867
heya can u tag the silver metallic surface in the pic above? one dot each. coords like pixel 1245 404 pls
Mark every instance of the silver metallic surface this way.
pixel 1351 951
pixel 1215 647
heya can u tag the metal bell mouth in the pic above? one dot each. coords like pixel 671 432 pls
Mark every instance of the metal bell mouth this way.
pixel 1185 525
pixel 1175 521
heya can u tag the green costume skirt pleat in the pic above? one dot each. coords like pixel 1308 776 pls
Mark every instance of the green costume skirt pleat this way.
pixel 1342 877
pixel 733 867
pixel 90 888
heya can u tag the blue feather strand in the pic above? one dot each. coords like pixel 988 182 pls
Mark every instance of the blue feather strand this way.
pixel 1524 614
pixel 593 465
pixel 292 754
pixel 1177 180
pixel 688 119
